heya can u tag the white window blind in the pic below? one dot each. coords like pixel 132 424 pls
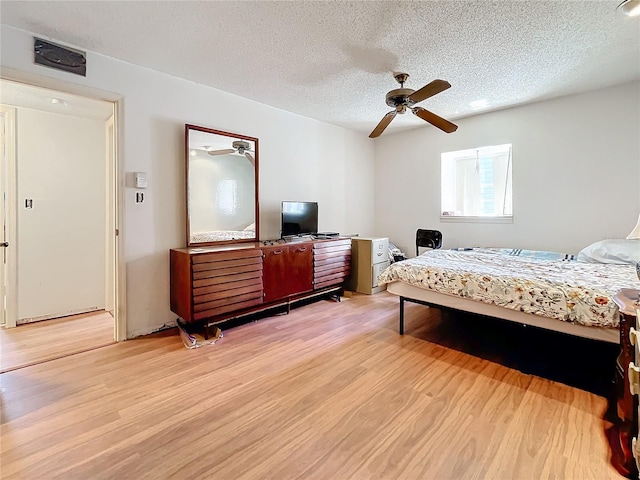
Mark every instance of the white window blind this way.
pixel 477 182
pixel 227 196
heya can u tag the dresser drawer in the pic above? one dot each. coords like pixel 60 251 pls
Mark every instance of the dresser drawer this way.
pixel 219 267
pixel 200 277
pixel 331 262
pixel 224 255
pixel 226 305
pixel 226 289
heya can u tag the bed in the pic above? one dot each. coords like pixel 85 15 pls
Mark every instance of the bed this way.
pixel 248 232
pixel 221 235
pixel 560 292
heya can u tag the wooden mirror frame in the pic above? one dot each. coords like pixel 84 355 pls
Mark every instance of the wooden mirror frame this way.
pixel 255 154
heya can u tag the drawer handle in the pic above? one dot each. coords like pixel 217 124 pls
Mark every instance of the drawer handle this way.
pixel 301 249
pixel 634 379
pixel 277 252
pixel 635 449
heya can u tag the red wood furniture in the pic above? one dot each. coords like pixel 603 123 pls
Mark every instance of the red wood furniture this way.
pixel 214 284
pixel 623 435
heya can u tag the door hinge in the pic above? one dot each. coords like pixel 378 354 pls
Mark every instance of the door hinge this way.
pixel 117 232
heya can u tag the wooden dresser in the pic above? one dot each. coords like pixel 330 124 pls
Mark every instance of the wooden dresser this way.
pixel 623 437
pixel 213 284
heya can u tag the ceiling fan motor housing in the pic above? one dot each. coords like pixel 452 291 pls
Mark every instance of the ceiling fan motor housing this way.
pixel 400 97
pixel 241 144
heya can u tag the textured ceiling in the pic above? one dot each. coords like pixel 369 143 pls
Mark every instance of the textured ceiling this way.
pixel 332 60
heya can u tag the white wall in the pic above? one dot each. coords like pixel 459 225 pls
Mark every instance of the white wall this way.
pixel 61 240
pixel 576 174
pixel 300 159
pixel 576 167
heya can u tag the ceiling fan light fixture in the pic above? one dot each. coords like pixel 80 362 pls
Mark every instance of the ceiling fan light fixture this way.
pixel 631 8
pixel 479 103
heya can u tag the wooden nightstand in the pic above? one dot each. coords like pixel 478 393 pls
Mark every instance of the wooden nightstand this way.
pixel 625 456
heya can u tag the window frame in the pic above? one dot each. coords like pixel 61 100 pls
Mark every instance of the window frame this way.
pixel 499 219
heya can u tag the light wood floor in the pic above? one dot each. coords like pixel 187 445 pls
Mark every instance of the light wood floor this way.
pixel 37 342
pixel 330 391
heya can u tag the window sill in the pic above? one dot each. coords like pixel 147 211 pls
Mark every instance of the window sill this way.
pixel 460 219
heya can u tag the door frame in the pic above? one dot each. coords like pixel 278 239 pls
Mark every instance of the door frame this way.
pixel 115 165
pixel 9 268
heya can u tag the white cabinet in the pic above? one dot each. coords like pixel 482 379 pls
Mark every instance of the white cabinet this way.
pixel 369 257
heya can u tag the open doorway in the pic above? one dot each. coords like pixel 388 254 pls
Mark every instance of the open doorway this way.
pixel 59 186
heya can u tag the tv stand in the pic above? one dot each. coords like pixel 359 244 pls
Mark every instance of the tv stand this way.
pixel 210 285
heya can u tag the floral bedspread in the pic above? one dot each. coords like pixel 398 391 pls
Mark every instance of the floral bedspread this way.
pixel 222 235
pixel 550 285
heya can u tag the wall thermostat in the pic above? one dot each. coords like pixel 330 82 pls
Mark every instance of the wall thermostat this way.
pixel 140 179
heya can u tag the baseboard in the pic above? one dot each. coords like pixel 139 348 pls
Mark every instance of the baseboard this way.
pixel 24 321
pixel 150 330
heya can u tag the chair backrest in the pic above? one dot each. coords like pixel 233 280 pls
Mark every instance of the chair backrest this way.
pixel 428 238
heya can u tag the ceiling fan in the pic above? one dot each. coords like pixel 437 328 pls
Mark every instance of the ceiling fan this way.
pixel 239 146
pixel 403 98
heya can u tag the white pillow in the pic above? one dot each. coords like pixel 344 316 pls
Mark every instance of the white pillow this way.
pixel 617 251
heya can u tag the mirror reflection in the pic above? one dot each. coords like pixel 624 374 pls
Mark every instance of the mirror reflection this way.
pixel 222 172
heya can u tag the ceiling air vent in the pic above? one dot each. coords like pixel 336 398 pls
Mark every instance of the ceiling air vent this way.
pixel 59 57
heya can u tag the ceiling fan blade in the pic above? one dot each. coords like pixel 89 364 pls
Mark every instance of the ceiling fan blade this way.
pixel 435 120
pixel 384 123
pixel 250 158
pixel 220 152
pixel 429 90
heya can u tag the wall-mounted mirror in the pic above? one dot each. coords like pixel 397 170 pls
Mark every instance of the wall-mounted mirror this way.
pixel 222 187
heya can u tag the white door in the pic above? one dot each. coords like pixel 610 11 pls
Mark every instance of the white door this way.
pixel 5 244
pixel 61 215
pixel 64 204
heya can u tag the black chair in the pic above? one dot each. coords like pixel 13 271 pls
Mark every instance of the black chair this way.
pixel 428 238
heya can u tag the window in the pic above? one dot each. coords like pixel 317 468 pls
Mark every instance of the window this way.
pixel 476 183
pixel 227 200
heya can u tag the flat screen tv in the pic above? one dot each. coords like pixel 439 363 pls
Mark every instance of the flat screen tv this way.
pixel 299 218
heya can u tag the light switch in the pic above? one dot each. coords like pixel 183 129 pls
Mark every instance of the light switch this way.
pixel 140 179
